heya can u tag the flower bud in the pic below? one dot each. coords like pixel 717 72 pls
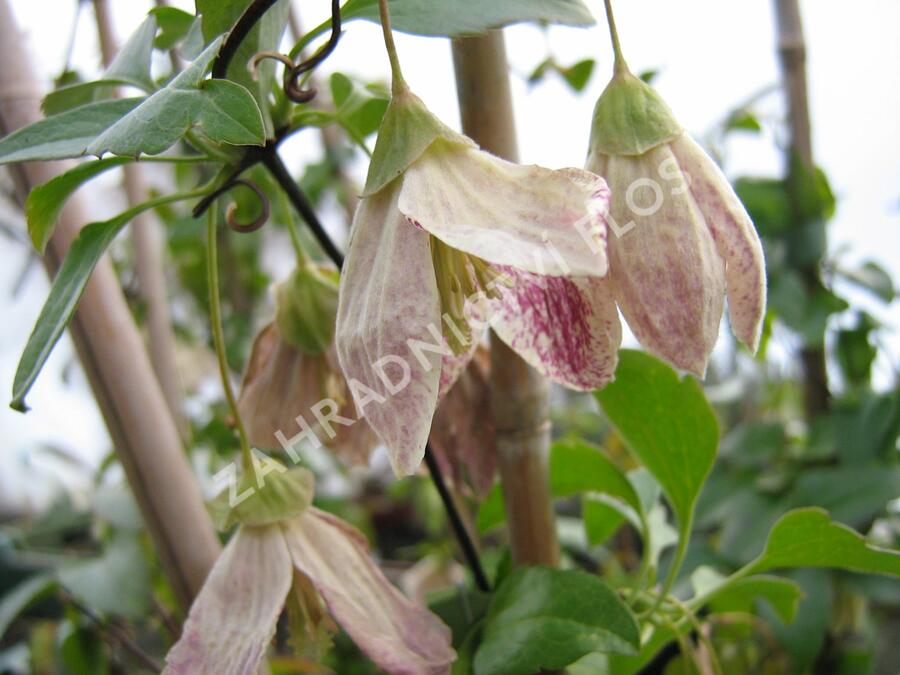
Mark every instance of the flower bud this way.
pixel 306 307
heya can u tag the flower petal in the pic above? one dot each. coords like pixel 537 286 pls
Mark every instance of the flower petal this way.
pixel 401 637
pixel 280 383
pixel 667 276
pixel 566 328
pixel 462 434
pixel 233 618
pixel 389 297
pixel 735 237
pixel 528 217
pixel 352 444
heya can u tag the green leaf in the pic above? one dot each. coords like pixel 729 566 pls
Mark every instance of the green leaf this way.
pixel 44 203
pixel 743 120
pixel 492 511
pixel 469 17
pixel 783 595
pixel 766 200
pixel 219 16
pixel 225 110
pixel 359 109
pixel 809 538
pixel 667 423
pixel 131 67
pixel 872 277
pixel 17 599
pixel 132 63
pixel 577 466
pixel 601 519
pixel 65 293
pixel 174 25
pixel 118 581
pixel 547 618
pixel 65 135
pixel 578 74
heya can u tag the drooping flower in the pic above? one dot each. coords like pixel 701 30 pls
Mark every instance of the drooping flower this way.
pixel 446 236
pixel 293 371
pixel 680 236
pixel 287 551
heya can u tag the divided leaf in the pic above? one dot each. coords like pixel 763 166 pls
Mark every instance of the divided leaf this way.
pixel 226 112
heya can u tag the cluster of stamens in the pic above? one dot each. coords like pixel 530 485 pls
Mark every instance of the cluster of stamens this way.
pixel 460 276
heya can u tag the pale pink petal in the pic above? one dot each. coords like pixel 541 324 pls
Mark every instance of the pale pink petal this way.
pixel 388 301
pixel 667 277
pixel 233 617
pixel 735 237
pixel 401 637
pixel 566 328
pixel 352 444
pixel 463 433
pixel 527 217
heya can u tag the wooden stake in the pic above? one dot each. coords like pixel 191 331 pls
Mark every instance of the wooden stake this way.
pixel 519 393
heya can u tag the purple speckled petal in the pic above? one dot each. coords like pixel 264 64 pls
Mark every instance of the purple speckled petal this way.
pixel 233 618
pixel 401 637
pixel 566 328
pixel 388 298
pixel 527 217
pixel 667 277
pixel 736 239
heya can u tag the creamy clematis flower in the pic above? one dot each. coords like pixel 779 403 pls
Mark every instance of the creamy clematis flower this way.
pixel 680 236
pixel 293 370
pixel 298 560
pixel 446 236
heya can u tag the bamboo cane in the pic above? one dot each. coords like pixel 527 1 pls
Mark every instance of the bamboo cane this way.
pixel 519 393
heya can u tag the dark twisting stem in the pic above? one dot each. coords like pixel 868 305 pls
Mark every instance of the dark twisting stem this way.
pixel 237 34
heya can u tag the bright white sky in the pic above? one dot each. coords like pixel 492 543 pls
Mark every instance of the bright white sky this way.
pixel 712 56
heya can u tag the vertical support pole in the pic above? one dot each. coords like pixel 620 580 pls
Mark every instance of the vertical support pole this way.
pixel 518 392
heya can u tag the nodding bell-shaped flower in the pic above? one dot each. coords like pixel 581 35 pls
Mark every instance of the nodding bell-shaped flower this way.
pixel 448 236
pixel 680 237
pixel 285 553
pixel 293 371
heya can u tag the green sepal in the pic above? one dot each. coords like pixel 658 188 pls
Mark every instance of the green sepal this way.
pixel 630 118
pixel 306 308
pixel 407 130
pixel 263 499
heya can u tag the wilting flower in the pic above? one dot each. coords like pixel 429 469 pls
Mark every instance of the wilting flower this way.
pixel 446 235
pixel 302 559
pixel 293 370
pixel 680 234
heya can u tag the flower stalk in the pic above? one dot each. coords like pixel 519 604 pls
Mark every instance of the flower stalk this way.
pixel 398 84
pixel 215 317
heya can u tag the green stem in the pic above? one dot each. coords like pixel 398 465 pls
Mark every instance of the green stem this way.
pixel 644 569
pixel 291 224
pixel 684 536
pixel 619 65
pixel 215 313
pixel 398 84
